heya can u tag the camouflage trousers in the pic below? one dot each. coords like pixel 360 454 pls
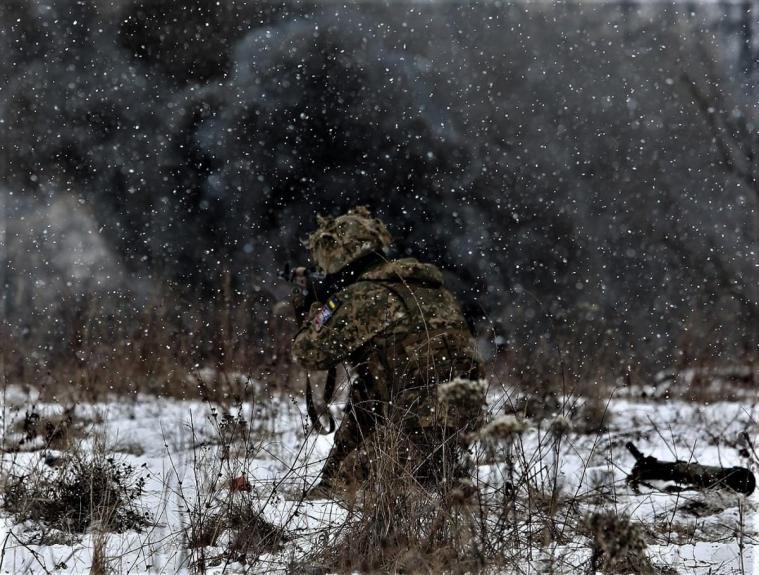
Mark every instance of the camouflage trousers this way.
pixel 400 432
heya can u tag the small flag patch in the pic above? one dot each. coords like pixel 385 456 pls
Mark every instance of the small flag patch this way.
pixel 323 315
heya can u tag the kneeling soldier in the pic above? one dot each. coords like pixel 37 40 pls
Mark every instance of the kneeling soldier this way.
pixel 402 333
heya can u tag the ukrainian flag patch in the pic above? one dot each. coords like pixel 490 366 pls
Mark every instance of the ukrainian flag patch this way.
pixel 323 315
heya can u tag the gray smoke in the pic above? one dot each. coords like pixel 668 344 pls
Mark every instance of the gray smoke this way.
pixel 554 158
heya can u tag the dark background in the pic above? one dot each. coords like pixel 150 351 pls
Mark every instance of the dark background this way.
pixel 586 172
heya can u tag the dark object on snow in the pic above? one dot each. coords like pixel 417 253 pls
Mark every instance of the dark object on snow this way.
pixel 689 475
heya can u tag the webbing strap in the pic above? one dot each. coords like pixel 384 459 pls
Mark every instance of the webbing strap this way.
pixel 329 390
pixel 402 292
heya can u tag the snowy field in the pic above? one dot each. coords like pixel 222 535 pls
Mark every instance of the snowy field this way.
pixel 187 452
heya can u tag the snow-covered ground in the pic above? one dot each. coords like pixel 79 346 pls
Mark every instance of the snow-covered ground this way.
pixel 187 451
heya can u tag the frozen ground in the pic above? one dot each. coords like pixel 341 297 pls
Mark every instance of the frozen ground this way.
pixel 187 451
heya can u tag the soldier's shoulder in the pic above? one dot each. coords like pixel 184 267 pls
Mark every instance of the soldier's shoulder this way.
pixel 361 289
pixel 365 297
pixel 360 310
pixel 405 269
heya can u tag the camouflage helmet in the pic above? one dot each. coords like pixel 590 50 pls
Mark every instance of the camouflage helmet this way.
pixel 344 239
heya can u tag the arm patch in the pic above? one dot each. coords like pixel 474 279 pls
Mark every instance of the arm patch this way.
pixel 323 315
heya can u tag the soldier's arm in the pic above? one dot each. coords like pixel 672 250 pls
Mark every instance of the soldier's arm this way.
pixel 362 311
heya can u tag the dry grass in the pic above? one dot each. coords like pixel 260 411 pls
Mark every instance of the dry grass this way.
pixel 394 522
pixel 397 524
pixel 101 350
pixel 81 491
pixel 618 545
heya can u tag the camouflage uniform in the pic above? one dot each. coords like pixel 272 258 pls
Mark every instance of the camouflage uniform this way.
pixel 403 333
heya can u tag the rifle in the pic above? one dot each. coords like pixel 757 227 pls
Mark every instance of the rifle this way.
pixel 307 283
pixel 310 286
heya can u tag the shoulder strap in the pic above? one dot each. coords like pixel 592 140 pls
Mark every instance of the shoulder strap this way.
pixel 401 291
pixel 404 291
pixel 329 389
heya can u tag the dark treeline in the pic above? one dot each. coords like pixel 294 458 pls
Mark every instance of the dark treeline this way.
pixel 585 171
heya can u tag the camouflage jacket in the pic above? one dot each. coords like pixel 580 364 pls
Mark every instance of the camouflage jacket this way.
pixel 396 325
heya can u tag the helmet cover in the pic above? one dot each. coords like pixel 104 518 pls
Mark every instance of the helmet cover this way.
pixel 339 241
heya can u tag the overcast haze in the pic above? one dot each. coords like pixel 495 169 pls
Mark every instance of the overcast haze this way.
pixel 585 171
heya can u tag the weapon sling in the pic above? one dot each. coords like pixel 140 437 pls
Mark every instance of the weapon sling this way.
pixel 329 390
pixel 404 293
